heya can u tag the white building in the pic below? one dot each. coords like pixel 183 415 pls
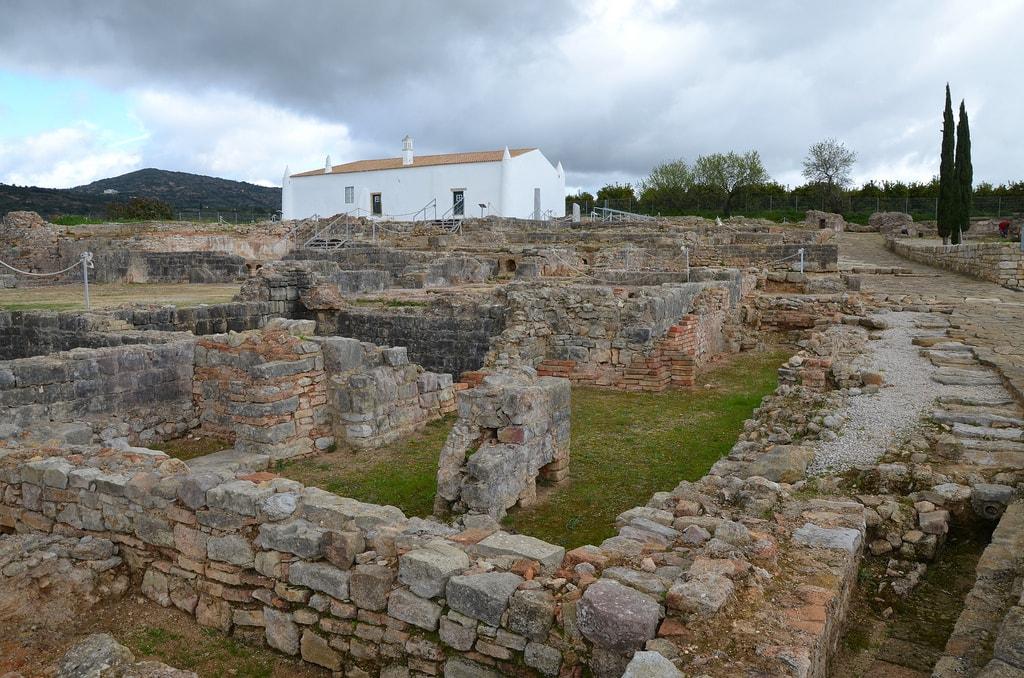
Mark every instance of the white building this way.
pixel 511 183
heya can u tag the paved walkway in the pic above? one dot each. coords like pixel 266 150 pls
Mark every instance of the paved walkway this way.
pixel 984 315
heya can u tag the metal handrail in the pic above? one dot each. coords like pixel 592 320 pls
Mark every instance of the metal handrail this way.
pixel 423 210
pixel 319 234
pixel 609 214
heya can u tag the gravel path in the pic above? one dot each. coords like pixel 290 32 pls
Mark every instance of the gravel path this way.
pixel 877 421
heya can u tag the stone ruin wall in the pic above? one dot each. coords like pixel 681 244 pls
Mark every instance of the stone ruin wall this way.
pixel 602 336
pixel 136 392
pixel 512 428
pixel 335 581
pixel 269 391
pixel 1000 263
pixel 285 393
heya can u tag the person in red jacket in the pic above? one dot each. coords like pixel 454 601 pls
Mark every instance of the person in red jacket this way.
pixel 1004 228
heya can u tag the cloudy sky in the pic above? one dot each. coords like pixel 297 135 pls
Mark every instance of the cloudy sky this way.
pixel 240 88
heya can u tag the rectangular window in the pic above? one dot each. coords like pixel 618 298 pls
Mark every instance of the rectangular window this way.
pixel 350 195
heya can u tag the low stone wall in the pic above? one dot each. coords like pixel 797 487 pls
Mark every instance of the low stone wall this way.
pixel 1000 263
pixel 408 268
pixel 512 428
pixel 376 395
pixel 139 392
pixel 339 582
pixel 206 319
pixel 773 257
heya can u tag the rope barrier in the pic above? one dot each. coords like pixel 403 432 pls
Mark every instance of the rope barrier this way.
pixel 84 260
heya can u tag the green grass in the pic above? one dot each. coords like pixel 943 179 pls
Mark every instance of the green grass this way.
pixel 627 446
pixel 187 447
pixel 403 474
pixel 211 654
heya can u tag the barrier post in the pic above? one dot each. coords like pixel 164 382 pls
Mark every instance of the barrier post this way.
pixel 86 262
pixel 801 259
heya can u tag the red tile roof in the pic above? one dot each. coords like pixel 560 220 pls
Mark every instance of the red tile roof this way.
pixel 418 161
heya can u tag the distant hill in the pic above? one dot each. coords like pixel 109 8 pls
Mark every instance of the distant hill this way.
pixel 184 192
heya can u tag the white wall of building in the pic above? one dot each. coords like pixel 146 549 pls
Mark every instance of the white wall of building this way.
pixel 506 187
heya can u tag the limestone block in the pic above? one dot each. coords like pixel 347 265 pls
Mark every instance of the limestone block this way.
pixel 370 585
pixel 482 596
pixel 548 555
pixel 321 577
pixel 426 571
pixel 408 607
pixel 616 617
pixel 298 536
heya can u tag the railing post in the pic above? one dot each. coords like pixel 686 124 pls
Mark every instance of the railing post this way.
pixel 86 263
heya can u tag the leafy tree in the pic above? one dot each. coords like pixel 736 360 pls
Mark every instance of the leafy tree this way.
pixel 964 175
pixel 726 174
pixel 667 185
pixel 619 196
pixel 139 208
pixel 949 192
pixel 583 198
pixel 828 164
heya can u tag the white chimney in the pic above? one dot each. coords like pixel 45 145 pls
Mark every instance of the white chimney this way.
pixel 327 165
pixel 407 150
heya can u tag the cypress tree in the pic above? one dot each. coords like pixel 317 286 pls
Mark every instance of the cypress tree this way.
pixel 946 210
pixel 964 175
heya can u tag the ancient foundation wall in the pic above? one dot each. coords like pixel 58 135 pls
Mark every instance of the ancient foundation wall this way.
pixel 207 319
pixel 140 392
pixel 513 428
pixel 116 262
pixel 408 268
pixel 441 338
pixel 24 334
pixel 1000 263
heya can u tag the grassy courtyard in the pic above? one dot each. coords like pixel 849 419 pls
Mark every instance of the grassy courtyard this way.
pixel 625 447
pixel 109 295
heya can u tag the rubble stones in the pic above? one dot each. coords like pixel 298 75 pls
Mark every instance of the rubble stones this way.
pixel 616 617
pixel 703 595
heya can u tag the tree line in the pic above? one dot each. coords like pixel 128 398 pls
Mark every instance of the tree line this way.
pixel 723 181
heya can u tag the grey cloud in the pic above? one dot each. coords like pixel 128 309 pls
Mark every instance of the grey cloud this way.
pixel 465 74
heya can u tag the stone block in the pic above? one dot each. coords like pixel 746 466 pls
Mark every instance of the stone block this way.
pixel 316 650
pixel 701 596
pixel 616 617
pixel 543 658
pixel 482 596
pixel 281 632
pixel 531 613
pixel 548 555
pixel 370 585
pixel 238 496
pixel 231 548
pixel 321 577
pixel 651 665
pixel 426 571
pixel 298 536
pixel 408 607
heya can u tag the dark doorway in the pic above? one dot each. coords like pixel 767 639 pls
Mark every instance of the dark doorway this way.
pixel 458 203
pixel 376 206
